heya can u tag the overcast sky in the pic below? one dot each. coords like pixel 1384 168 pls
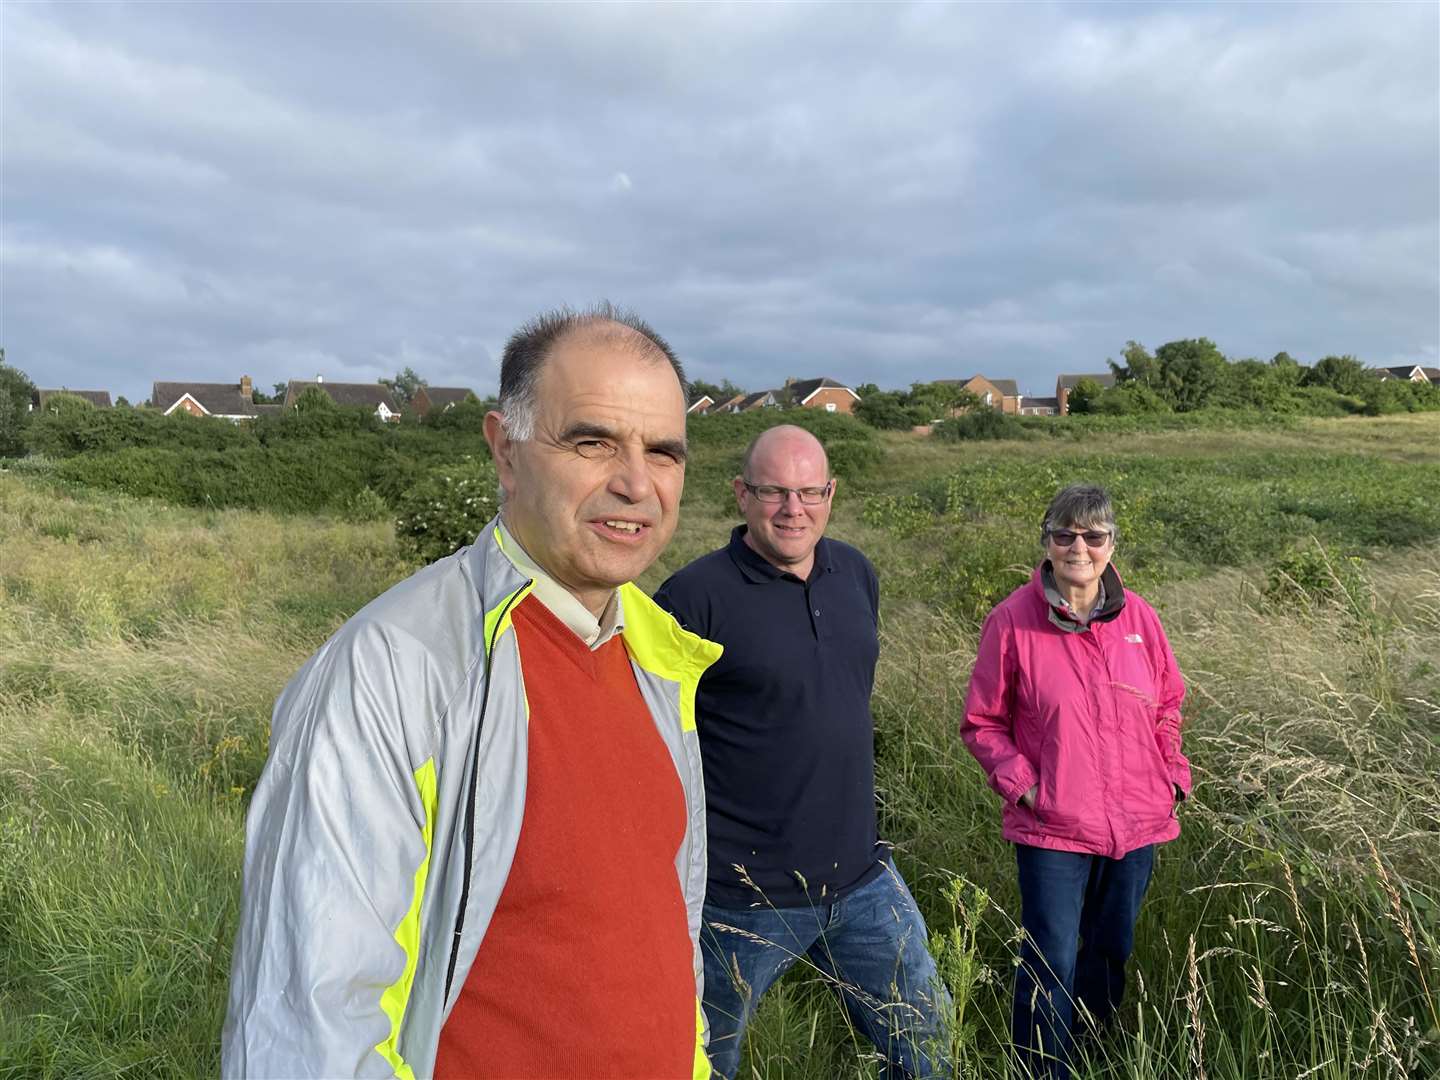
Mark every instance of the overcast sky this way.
pixel 878 193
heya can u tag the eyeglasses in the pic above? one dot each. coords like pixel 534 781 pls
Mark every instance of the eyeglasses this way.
pixel 1065 537
pixel 774 493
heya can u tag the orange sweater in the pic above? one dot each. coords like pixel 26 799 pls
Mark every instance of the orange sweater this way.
pixel 585 969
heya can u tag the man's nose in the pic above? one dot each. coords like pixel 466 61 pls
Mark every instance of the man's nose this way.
pixel 631 478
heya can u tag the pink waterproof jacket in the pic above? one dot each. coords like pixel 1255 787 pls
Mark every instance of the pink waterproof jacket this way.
pixel 1090 713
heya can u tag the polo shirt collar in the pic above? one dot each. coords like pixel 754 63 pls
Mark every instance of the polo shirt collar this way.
pixel 756 570
pixel 561 601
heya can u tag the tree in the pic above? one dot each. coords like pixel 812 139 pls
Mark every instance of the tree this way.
pixel 724 392
pixel 405 385
pixel 1287 368
pixel 16 391
pixel 1191 370
pixel 280 390
pixel 1084 397
pixel 1343 374
pixel 1139 366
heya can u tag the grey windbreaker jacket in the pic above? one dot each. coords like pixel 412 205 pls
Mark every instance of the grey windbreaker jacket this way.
pixel 397 760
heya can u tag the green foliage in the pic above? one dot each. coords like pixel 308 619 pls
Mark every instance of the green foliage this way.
pixel 888 410
pixel 365 505
pixel 446 509
pixel 980 423
pixel 16 391
pixel 405 385
pixel 896 410
pixel 1312 577
pixel 1386 396
pixel 1191 371
pixel 1343 374
pixel 467 416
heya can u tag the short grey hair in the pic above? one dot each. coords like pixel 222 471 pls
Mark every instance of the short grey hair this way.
pixel 1087 506
pixel 529 347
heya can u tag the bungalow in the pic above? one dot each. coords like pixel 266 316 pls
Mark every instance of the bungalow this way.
pixel 1407 372
pixel 822 393
pixel 227 401
pixel 440 398
pixel 761 399
pixel 699 406
pixel 1065 383
pixel 374 396
pixel 99 398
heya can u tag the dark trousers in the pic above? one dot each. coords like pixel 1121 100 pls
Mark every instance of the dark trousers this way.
pixel 1079 915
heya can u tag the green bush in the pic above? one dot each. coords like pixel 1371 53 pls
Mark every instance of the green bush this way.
pixel 1313 576
pixel 447 508
pixel 15 394
pixel 365 505
pixel 980 423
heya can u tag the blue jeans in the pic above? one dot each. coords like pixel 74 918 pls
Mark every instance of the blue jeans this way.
pixel 1079 915
pixel 870 946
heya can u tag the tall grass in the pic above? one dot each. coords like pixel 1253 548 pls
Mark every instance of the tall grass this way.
pixel 1291 930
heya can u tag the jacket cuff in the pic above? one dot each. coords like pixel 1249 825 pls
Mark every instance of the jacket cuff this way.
pixel 1025 777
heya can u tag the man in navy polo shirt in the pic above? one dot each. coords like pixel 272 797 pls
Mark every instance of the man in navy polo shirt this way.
pixel 787 741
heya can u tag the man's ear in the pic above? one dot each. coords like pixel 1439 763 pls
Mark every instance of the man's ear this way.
pixel 502 450
pixel 738 486
pixel 834 485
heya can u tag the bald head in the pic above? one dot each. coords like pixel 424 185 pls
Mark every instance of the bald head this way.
pixel 780 446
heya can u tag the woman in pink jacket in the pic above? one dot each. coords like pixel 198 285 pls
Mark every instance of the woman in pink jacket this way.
pixel 1074 714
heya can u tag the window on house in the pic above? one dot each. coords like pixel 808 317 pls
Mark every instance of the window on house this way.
pixel 829 406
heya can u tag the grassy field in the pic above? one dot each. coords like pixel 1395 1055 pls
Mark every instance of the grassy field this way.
pixel 1290 932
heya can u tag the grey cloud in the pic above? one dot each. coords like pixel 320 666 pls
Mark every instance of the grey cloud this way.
pixel 879 193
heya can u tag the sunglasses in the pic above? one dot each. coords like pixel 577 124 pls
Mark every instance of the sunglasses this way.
pixel 1065 537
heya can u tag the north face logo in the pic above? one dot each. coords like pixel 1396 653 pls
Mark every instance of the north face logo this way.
pixel 1135 639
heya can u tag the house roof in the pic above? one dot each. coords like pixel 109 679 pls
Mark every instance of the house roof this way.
pixel 1432 373
pixel 217 399
pixel 730 402
pixel 802 390
pixel 1032 402
pixel 99 398
pixel 1069 382
pixel 751 401
pixel 444 396
pixel 370 395
pixel 1006 387
pixel 268 410
pixel 700 402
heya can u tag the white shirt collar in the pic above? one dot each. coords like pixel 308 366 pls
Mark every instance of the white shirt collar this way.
pixel 561 601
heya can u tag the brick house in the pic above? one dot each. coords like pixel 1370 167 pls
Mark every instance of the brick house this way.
pixel 375 396
pixel 99 398
pixel 1001 394
pixel 822 393
pixel 227 401
pixel 440 398
pixel 699 406
pixel 1065 383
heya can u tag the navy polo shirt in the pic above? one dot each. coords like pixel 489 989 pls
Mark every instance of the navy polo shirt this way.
pixel 786 735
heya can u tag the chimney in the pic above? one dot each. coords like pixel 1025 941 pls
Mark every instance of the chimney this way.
pixel 247 388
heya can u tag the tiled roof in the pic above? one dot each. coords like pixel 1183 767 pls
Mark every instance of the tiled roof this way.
pixel 803 388
pixel 1069 382
pixel 99 398
pixel 371 395
pixel 217 399
pixel 443 396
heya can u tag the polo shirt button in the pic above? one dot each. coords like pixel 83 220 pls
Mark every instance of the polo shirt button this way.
pixel 817 612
